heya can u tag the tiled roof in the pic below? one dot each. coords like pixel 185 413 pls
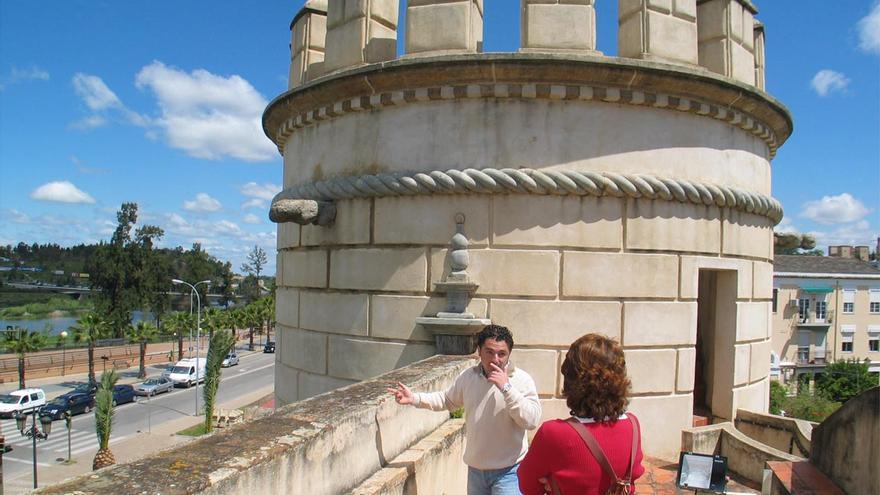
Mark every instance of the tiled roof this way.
pixel 822 264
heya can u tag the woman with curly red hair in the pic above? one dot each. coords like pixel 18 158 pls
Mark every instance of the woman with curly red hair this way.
pixel 595 387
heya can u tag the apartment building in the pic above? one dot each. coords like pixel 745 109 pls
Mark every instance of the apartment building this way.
pixel 824 309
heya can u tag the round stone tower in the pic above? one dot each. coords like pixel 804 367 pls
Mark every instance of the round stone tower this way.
pixel 626 195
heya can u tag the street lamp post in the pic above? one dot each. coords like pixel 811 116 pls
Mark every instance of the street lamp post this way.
pixel 63 351
pixel 34 433
pixel 198 327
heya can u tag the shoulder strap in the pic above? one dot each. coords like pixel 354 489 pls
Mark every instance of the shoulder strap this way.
pixel 597 452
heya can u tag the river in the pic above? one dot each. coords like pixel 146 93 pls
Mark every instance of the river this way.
pixel 59 323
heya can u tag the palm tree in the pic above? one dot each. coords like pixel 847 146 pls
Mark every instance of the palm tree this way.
pixel 179 322
pixel 213 321
pixel 22 342
pixel 104 410
pixel 252 319
pixel 89 328
pixel 267 313
pixel 142 333
pixel 236 319
pixel 221 343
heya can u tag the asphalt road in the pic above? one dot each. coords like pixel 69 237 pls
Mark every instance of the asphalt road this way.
pixel 255 371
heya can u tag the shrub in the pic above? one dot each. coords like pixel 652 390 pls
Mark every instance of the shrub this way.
pixel 778 397
pixel 810 407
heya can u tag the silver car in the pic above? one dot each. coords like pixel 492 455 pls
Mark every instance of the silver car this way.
pixel 153 386
pixel 231 359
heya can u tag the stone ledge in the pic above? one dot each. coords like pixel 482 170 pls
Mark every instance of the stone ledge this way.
pixel 300 448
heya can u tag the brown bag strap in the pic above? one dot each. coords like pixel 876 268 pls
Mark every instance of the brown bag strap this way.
pixel 555 486
pixel 599 455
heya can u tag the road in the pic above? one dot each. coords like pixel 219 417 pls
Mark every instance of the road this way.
pixel 255 371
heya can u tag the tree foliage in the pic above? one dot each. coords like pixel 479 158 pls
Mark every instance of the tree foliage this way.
pixel 843 380
pixel 23 342
pixel 104 408
pixel 220 345
pixel 89 329
pixel 778 396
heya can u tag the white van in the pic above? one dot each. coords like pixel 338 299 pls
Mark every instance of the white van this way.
pixel 187 372
pixel 24 400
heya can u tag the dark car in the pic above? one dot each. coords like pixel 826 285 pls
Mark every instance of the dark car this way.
pixel 269 347
pixel 90 389
pixel 74 402
pixel 123 394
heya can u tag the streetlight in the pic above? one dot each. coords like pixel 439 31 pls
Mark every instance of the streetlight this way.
pixel 198 326
pixel 63 351
pixel 33 432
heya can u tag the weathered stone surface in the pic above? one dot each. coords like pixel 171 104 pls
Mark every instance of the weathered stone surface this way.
pixel 559 25
pixel 651 371
pixel 286 379
pixel 672 226
pixel 754 397
pixel 352 226
pixel 542 365
pixel 303 212
pixel 307 44
pixel 304 350
pixel 287 307
pixel 431 220
pixel 760 360
pixel 659 323
pixel 288 235
pixel 752 321
pixel 661 419
pixel 360 32
pixel 763 280
pixel 653 30
pixel 379 269
pixel 393 317
pixel 556 323
pixel 684 381
pixel 505 272
pixel 334 312
pixel 741 363
pixel 690 274
pixel 747 235
pixel 577 221
pixel 622 275
pixel 359 359
pixel 311 384
pixel 304 268
pixel 444 26
pixel 726 39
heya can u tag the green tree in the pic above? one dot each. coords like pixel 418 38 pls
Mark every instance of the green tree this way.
pixel 142 333
pixel 89 329
pixel 22 342
pixel 810 407
pixel 227 285
pixel 213 319
pixel 778 397
pixel 220 345
pixel 104 412
pixel 236 319
pixel 180 323
pixel 257 260
pixel 843 380
pixel 252 318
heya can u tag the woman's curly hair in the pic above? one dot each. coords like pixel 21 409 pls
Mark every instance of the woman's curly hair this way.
pixel 595 383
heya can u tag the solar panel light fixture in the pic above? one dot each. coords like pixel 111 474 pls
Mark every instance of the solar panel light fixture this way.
pixel 703 473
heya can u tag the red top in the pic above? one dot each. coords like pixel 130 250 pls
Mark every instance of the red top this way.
pixel 557 449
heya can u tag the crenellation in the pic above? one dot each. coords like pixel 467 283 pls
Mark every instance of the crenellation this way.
pixel 663 30
pixel 308 33
pixel 726 31
pixel 360 32
pixel 559 25
pixel 450 26
pixel 760 61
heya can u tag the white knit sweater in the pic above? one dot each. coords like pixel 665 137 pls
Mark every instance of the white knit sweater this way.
pixel 496 423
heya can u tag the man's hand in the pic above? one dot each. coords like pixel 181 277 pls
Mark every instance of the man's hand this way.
pixel 497 376
pixel 402 394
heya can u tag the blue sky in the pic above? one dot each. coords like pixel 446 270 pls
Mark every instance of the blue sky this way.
pixel 159 103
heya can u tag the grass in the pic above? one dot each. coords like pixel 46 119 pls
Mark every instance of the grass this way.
pixel 43 309
pixel 193 431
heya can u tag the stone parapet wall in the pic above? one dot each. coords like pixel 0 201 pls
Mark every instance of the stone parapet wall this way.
pixel 786 434
pixel 328 444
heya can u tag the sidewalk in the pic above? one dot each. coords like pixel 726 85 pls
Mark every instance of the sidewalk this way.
pixel 160 438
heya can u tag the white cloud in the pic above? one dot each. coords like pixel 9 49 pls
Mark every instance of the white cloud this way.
pixel 252 219
pixel 857 234
pixel 254 203
pixel 61 192
pixel 15 216
pixel 17 75
pixel 202 203
pixel 100 99
pixel 265 191
pixel 827 81
pixel 834 209
pixel 206 115
pixel 785 226
pixel 869 30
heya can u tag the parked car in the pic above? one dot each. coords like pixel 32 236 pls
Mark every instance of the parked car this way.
pixel 74 402
pixel 231 359
pixel 153 386
pixel 123 394
pixel 269 347
pixel 24 400
pixel 187 372
pixel 85 388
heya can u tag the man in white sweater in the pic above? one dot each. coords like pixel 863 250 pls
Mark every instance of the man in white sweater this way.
pixel 500 403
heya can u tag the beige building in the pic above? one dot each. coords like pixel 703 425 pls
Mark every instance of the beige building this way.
pixel 825 309
pixel 626 195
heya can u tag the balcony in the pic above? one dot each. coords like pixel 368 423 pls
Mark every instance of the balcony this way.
pixel 815 321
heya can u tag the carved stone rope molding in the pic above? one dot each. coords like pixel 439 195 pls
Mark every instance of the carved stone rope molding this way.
pixel 511 181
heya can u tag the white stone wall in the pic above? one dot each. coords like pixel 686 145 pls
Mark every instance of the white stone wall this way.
pixel 307 36
pixel 658 29
pixel 727 38
pixel 360 32
pixel 550 25
pixel 444 26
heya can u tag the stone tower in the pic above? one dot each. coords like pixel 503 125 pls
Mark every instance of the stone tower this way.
pixel 623 195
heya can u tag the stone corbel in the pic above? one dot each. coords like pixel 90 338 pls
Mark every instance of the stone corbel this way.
pixel 303 212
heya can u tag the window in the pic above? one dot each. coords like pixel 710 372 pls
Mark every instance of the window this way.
pixel 775 298
pixel 875 301
pixel 803 309
pixel 846 338
pixel 803 349
pixel 849 300
pixel 873 338
pixel 821 310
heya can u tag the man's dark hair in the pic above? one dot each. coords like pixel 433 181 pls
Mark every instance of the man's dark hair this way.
pixel 495 332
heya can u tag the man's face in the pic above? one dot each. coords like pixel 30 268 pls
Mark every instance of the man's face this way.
pixel 495 352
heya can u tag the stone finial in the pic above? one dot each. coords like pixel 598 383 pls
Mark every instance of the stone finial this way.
pixel 558 25
pixel 727 38
pixel 360 32
pixel 760 62
pixel 303 212
pixel 664 30
pixel 444 26
pixel 308 32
